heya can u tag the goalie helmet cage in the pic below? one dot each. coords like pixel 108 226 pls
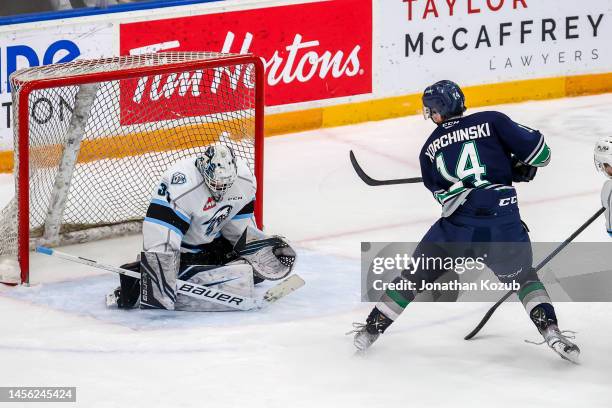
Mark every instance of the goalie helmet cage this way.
pixel 93 137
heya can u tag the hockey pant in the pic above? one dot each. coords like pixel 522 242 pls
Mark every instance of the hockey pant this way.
pixel 487 223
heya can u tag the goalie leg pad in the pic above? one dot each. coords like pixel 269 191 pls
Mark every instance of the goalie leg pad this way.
pixel 236 278
pixel 158 281
pixel 129 291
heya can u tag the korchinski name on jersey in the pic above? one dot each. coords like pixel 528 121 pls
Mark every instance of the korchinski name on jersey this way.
pixel 456 136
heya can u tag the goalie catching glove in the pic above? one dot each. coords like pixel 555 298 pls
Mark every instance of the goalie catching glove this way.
pixel 272 258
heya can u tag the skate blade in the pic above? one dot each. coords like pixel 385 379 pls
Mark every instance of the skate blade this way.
pixel 573 355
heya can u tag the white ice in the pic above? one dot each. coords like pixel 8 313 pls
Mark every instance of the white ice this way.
pixel 295 353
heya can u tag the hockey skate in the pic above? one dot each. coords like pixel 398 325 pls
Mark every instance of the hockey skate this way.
pixel 363 338
pixel 543 316
pixel 560 342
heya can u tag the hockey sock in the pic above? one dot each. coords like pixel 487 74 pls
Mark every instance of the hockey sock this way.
pixel 393 302
pixel 537 303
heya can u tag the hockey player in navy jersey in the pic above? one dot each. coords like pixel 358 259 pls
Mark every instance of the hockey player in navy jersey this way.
pixel 199 210
pixel 469 163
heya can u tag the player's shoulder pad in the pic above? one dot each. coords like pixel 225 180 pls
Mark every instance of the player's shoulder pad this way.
pixel 245 175
pixel 182 176
pixel 493 115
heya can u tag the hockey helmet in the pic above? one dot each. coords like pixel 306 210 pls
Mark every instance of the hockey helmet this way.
pixel 445 98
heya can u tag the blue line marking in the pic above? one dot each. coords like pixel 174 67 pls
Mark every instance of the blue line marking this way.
pixel 164 224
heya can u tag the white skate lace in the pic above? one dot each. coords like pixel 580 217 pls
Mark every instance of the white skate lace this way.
pixel 571 336
pixel 357 327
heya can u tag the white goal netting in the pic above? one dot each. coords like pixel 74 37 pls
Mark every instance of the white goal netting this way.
pixel 100 133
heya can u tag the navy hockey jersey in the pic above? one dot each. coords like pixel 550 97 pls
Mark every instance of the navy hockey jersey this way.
pixel 475 151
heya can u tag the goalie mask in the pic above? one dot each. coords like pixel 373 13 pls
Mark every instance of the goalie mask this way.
pixel 603 156
pixel 218 167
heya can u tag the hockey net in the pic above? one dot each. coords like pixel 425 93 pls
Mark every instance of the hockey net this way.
pixel 93 137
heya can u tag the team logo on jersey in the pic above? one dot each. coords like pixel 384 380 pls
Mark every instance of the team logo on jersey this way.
pixel 217 219
pixel 178 178
pixel 210 203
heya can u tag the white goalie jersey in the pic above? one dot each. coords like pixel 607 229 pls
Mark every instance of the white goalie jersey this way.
pixel 606 202
pixel 183 216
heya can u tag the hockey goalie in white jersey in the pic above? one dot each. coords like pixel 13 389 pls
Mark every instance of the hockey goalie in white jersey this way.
pixel 603 163
pixel 200 228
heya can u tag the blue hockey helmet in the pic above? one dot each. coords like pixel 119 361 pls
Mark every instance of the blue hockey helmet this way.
pixel 444 97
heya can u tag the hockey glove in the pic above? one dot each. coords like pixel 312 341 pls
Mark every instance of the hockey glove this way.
pixel 272 258
pixel 522 172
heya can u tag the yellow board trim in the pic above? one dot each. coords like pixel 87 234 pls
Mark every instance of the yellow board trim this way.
pixel 476 96
pixel 6 161
pixel 351 113
pixel 159 140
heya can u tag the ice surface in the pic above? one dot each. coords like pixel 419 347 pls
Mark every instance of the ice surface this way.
pixel 295 354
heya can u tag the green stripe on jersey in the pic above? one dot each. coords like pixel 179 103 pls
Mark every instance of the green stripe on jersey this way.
pixel 442 197
pixel 542 157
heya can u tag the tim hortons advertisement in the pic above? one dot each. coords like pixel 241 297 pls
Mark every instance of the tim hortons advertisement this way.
pixel 486 41
pixel 311 52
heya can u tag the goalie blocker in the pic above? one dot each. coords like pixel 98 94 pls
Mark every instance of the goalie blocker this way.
pixel 250 261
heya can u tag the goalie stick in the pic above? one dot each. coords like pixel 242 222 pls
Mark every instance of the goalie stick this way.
pixel 282 289
pixel 373 182
pixel 554 253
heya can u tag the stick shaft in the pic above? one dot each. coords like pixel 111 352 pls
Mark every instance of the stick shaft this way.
pixel 85 261
pixel 186 288
pixel 570 239
pixel 539 266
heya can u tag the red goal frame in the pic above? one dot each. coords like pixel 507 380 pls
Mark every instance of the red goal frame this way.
pixel 26 88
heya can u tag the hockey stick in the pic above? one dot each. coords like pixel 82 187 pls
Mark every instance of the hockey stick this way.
pixel 554 253
pixel 373 182
pixel 194 290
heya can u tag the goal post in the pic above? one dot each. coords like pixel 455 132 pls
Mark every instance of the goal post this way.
pixel 93 137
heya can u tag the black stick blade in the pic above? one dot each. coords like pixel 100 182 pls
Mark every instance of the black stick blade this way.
pixel 373 182
pixel 487 316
